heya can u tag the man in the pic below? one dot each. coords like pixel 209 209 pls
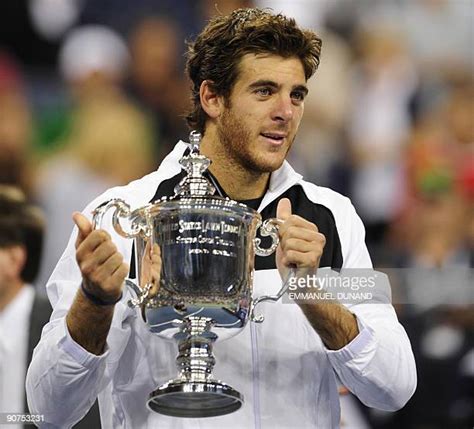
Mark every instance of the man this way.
pixel 23 313
pixel 249 71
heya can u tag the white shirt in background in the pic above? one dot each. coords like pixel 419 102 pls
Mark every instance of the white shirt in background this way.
pixel 14 331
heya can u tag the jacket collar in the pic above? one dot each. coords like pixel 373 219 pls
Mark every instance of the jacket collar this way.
pixel 171 162
pixel 280 181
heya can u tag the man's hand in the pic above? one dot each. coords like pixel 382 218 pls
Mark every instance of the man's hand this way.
pixel 102 267
pixel 301 243
pixel 301 246
pixel 151 268
pixel 103 273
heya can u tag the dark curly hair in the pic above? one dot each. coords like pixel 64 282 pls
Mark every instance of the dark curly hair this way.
pixel 218 49
pixel 21 224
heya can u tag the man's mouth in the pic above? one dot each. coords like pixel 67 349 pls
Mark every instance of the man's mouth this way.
pixel 275 137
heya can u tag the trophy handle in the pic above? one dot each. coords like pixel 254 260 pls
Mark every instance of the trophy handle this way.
pixel 260 318
pixel 268 228
pixel 141 294
pixel 122 210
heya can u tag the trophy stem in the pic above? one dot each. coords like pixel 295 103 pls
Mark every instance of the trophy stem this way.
pixel 195 393
pixel 195 360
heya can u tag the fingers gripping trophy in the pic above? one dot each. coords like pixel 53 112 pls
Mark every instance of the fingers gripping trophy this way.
pixel 208 244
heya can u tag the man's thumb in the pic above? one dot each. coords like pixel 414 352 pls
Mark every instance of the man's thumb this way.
pixel 83 225
pixel 283 209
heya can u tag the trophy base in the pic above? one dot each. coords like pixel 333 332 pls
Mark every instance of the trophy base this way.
pixel 195 399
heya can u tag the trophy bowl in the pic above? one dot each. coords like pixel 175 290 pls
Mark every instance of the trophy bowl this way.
pixel 208 244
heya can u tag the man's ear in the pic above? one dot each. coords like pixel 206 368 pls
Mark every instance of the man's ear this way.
pixel 212 103
pixel 17 258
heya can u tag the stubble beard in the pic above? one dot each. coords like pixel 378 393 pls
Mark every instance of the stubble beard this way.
pixel 235 140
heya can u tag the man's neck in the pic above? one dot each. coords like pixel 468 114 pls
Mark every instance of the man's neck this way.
pixel 8 294
pixel 237 182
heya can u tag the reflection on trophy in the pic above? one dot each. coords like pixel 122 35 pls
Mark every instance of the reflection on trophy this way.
pixel 208 244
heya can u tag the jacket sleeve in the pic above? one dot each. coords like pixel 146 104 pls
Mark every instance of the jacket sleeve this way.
pixel 63 379
pixel 378 365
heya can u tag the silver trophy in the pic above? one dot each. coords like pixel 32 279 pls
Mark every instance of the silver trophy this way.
pixel 208 244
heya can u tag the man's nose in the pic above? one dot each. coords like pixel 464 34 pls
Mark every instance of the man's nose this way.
pixel 283 109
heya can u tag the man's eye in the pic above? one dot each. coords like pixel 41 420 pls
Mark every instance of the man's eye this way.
pixel 298 95
pixel 265 92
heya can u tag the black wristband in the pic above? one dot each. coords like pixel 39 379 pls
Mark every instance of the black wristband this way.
pixel 96 300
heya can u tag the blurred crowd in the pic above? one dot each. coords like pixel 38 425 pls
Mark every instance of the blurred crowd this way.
pixel 93 95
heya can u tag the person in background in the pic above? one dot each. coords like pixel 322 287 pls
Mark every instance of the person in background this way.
pixel 109 143
pixel 384 80
pixel 435 295
pixel 23 311
pixel 93 61
pixel 435 245
pixel 156 80
pixel 16 127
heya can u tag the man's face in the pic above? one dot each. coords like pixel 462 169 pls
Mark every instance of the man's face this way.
pixel 5 269
pixel 12 259
pixel 263 113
